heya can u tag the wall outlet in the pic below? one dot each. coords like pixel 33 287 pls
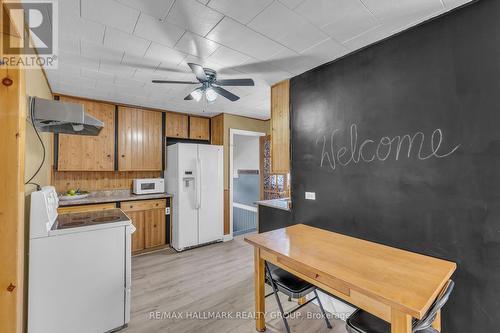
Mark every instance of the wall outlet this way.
pixel 167 210
pixel 310 195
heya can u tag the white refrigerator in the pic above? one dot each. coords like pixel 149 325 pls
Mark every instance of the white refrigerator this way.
pixel 194 176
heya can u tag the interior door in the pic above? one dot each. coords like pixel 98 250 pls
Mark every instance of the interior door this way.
pixel 187 197
pixel 211 197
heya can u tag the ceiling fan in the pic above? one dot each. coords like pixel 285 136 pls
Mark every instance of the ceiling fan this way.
pixel 210 86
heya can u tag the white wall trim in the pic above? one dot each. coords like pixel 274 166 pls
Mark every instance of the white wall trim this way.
pixel 232 132
pixel 245 207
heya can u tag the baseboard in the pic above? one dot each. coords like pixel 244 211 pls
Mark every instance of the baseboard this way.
pixel 227 238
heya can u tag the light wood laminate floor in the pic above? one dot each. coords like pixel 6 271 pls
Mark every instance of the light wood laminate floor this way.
pixel 198 283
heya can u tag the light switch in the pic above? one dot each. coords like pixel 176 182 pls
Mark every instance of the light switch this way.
pixel 310 195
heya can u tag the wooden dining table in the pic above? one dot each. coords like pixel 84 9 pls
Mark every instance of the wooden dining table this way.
pixel 390 283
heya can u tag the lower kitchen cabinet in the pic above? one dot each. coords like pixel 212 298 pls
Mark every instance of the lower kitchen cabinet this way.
pixel 148 217
pixel 137 218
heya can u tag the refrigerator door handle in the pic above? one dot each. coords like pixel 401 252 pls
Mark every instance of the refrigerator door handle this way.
pixel 198 184
pixel 200 181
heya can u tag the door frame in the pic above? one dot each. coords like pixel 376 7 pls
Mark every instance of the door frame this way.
pixel 232 133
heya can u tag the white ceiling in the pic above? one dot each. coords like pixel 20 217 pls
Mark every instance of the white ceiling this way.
pixel 112 49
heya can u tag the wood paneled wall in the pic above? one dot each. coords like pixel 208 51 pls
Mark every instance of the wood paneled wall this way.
pixel 102 180
pixel 12 150
pixel 280 127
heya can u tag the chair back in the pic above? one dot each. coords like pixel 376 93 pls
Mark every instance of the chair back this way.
pixel 430 316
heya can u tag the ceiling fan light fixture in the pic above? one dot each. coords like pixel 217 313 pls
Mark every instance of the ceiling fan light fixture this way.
pixel 197 94
pixel 211 94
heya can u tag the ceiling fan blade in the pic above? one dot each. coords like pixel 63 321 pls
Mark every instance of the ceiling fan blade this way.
pixel 198 71
pixel 179 82
pixel 235 82
pixel 224 93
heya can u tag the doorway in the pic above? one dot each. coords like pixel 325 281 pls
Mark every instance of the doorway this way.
pixel 244 180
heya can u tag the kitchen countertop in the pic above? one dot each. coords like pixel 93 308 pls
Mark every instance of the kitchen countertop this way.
pixel 98 197
pixel 281 203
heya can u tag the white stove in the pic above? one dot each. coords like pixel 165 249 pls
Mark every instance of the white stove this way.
pixel 79 268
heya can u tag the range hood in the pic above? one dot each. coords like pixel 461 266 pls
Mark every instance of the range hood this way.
pixel 61 117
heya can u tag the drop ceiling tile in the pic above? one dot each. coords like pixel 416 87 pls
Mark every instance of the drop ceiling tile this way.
pixel 341 19
pixel 117 69
pixel 98 76
pixel 156 8
pixel 239 37
pixel 78 81
pixel 193 16
pixel 164 54
pixel 71 26
pixel 99 51
pixel 110 13
pixel 64 70
pixel 291 3
pixel 393 10
pixel 128 82
pixel 77 60
pixel 151 28
pixel 241 10
pixel 146 64
pixel 119 40
pixel 287 27
pixel 326 51
pixel 169 74
pixel 69 7
pixel 195 45
pixel 264 71
pixel 456 3
pixel 228 58
pixel 69 44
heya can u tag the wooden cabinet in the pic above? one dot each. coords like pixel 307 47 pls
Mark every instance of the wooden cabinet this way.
pixel 139 139
pixel 137 218
pixel 280 127
pixel 89 153
pixel 154 227
pixel 199 128
pixel 217 130
pixel 85 208
pixel 177 125
pixel 148 217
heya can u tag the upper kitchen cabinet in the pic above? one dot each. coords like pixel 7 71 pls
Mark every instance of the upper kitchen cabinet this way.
pixel 199 128
pixel 280 127
pixel 89 153
pixel 139 139
pixel 177 125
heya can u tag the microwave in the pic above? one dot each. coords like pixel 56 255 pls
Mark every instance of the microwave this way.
pixel 148 186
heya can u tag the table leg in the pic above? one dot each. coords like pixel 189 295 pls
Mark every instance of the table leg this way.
pixel 400 322
pixel 260 301
pixel 437 322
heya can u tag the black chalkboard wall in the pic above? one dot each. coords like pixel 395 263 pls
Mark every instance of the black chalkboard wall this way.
pixel 438 81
